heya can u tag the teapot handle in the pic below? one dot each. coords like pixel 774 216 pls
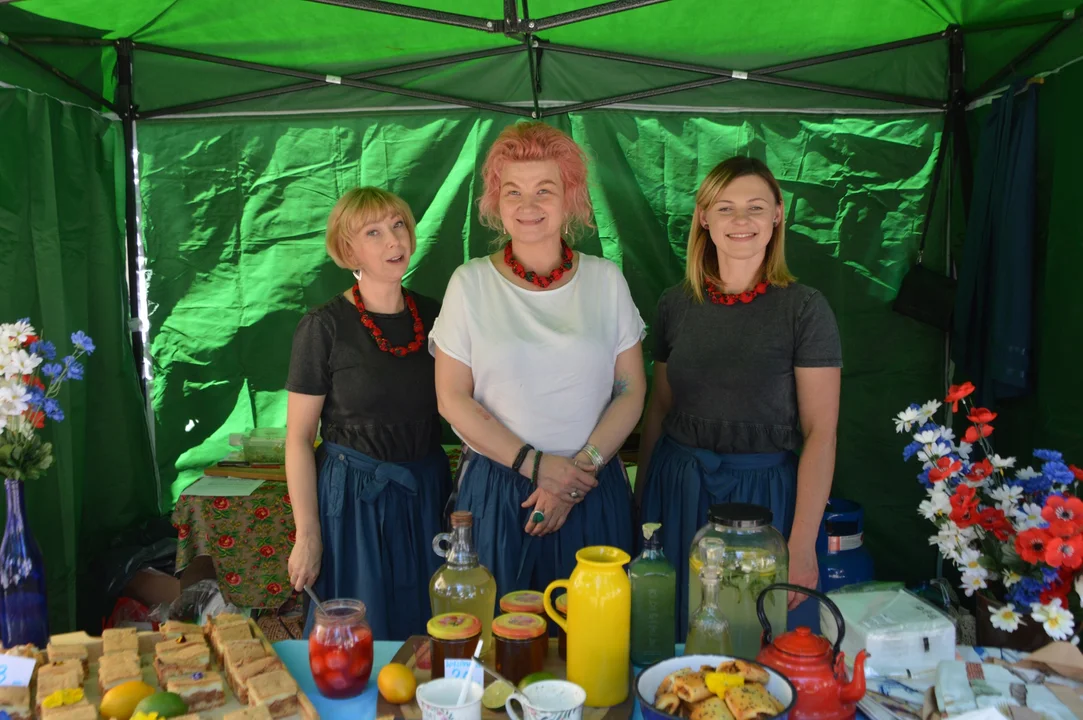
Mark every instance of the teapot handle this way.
pixel 766 624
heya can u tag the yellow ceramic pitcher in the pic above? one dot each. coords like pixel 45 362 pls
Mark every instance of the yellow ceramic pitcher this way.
pixel 598 624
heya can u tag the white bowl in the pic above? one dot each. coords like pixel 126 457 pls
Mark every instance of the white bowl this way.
pixel 652 676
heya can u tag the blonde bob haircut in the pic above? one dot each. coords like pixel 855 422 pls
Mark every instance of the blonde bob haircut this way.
pixel 356 209
pixel 702 262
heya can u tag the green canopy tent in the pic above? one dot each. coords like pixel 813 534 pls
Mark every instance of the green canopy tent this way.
pixel 167 166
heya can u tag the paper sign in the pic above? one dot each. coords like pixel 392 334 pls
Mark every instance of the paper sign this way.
pixel 16 671
pixel 222 487
pixel 460 669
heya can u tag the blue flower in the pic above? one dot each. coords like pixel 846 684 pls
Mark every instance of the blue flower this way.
pixel 1058 472
pixel 923 478
pixel 36 397
pixel 74 368
pixel 910 450
pixel 1050 574
pixel 52 370
pixel 44 348
pixel 53 411
pixel 1025 592
pixel 1048 455
pixel 82 341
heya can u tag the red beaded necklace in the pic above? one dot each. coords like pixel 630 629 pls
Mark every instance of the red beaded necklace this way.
pixel 378 335
pixel 533 277
pixel 720 298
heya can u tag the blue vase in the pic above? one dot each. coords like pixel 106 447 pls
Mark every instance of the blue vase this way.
pixel 24 613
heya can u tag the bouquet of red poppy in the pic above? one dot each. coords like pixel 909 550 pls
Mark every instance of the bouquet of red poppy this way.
pixel 1016 534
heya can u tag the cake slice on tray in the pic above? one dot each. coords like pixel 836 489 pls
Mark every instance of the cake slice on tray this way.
pixel 239 675
pixel 15 701
pixel 117 669
pixel 120 640
pixel 70 651
pixel 277 690
pixel 200 691
pixel 182 659
pixel 254 712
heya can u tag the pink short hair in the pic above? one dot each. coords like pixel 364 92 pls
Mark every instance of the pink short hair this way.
pixel 531 141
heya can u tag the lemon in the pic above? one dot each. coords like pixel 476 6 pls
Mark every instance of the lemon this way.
pixel 396 683
pixel 496 695
pixel 120 702
pixel 536 677
pixel 718 683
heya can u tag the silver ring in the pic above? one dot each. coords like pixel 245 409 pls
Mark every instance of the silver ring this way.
pixel 574 494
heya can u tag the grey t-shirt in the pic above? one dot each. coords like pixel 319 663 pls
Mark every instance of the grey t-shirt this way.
pixel 376 403
pixel 730 367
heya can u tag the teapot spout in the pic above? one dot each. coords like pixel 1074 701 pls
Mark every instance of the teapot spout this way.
pixel 855 689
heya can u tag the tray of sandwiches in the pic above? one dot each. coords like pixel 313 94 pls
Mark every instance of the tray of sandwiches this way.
pixel 224 670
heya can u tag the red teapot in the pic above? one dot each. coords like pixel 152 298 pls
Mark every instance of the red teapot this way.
pixel 817 670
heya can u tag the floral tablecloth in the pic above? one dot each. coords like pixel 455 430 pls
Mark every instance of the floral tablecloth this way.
pixel 248 538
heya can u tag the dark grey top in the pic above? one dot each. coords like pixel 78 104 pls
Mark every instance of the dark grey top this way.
pixel 376 403
pixel 730 367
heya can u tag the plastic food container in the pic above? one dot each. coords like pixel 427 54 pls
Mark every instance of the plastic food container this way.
pixel 454 636
pixel 265 446
pixel 521 645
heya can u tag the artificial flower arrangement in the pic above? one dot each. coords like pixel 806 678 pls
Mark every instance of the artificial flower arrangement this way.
pixel 1016 534
pixel 27 400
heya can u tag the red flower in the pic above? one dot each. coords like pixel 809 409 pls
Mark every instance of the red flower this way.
pixel 37 419
pixel 1064 515
pixel 957 393
pixel 980 470
pixel 226 542
pixel 1031 544
pixel 233 579
pixel 1076 471
pixel 976 432
pixel 981 416
pixel 964 512
pixel 220 503
pixel 1065 551
pixel 286 499
pixel 945 468
pixel 183 531
pixel 1059 588
pixel 274 588
pixel 292 536
pixel 30 340
pixel 262 513
pixel 993 520
pixel 266 551
pixel 34 381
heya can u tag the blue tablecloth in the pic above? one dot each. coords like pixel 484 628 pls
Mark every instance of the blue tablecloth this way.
pixel 294 654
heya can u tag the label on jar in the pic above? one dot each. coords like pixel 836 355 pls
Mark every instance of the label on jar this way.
pixel 461 669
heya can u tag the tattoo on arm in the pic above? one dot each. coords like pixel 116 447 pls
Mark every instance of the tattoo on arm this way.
pixel 620 387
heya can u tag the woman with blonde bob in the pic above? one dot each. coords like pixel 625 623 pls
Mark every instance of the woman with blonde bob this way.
pixel 369 501
pixel 746 372
pixel 539 369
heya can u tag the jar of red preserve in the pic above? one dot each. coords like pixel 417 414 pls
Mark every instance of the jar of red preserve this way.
pixel 340 649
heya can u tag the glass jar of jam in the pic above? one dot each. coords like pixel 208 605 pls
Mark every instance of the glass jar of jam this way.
pixel 454 636
pixel 523 601
pixel 561 606
pixel 521 645
pixel 340 649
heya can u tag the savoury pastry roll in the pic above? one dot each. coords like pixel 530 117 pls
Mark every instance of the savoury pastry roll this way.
pixel 751 702
pixel 751 673
pixel 713 708
pixel 691 688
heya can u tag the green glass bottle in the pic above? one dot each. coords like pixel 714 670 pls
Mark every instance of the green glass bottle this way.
pixel 654 593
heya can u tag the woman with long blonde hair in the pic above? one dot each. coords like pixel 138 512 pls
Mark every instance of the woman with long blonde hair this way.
pixel 746 372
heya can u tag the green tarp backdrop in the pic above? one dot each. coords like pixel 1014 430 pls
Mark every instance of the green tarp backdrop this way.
pixel 234 196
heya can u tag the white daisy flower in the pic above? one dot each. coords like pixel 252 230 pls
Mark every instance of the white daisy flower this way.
pixel 1002 463
pixel 928 410
pixel 933 452
pixel 969 563
pixel 906 420
pixel 928 437
pixel 20 362
pixel 1057 621
pixel 938 505
pixel 963 450
pixel 1027 516
pixel 1006 497
pixel 14 399
pixel 947 433
pixel 19 331
pixel 1011 578
pixel 972 583
pixel 1027 473
pixel 1005 618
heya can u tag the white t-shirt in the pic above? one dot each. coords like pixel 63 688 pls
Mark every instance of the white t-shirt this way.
pixel 543 362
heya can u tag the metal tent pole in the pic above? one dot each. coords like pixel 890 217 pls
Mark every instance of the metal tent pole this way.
pixel 1067 20
pixel 16 47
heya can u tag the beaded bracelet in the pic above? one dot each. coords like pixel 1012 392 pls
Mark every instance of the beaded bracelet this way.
pixel 521 457
pixel 537 461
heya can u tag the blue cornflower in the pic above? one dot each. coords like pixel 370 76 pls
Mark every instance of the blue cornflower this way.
pixel 53 411
pixel 1058 472
pixel 1050 574
pixel 52 370
pixel 75 369
pixel 1025 592
pixel 923 478
pixel 44 348
pixel 82 341
pixel 36 397
pixel 910 450
pixel 1048 455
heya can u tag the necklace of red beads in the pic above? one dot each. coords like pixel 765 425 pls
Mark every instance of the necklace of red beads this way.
pixel 532 277
pixel 378 335
pixel 720 298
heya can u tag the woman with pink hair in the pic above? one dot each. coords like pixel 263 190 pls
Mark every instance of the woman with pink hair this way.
pixel 539 369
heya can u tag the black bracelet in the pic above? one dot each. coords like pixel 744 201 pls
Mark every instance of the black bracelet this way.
pixel 521 457
pixel 537 461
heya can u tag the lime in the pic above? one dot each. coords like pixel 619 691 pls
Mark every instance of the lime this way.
pixel 496 695
pixel 166 704
pixel 536 677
